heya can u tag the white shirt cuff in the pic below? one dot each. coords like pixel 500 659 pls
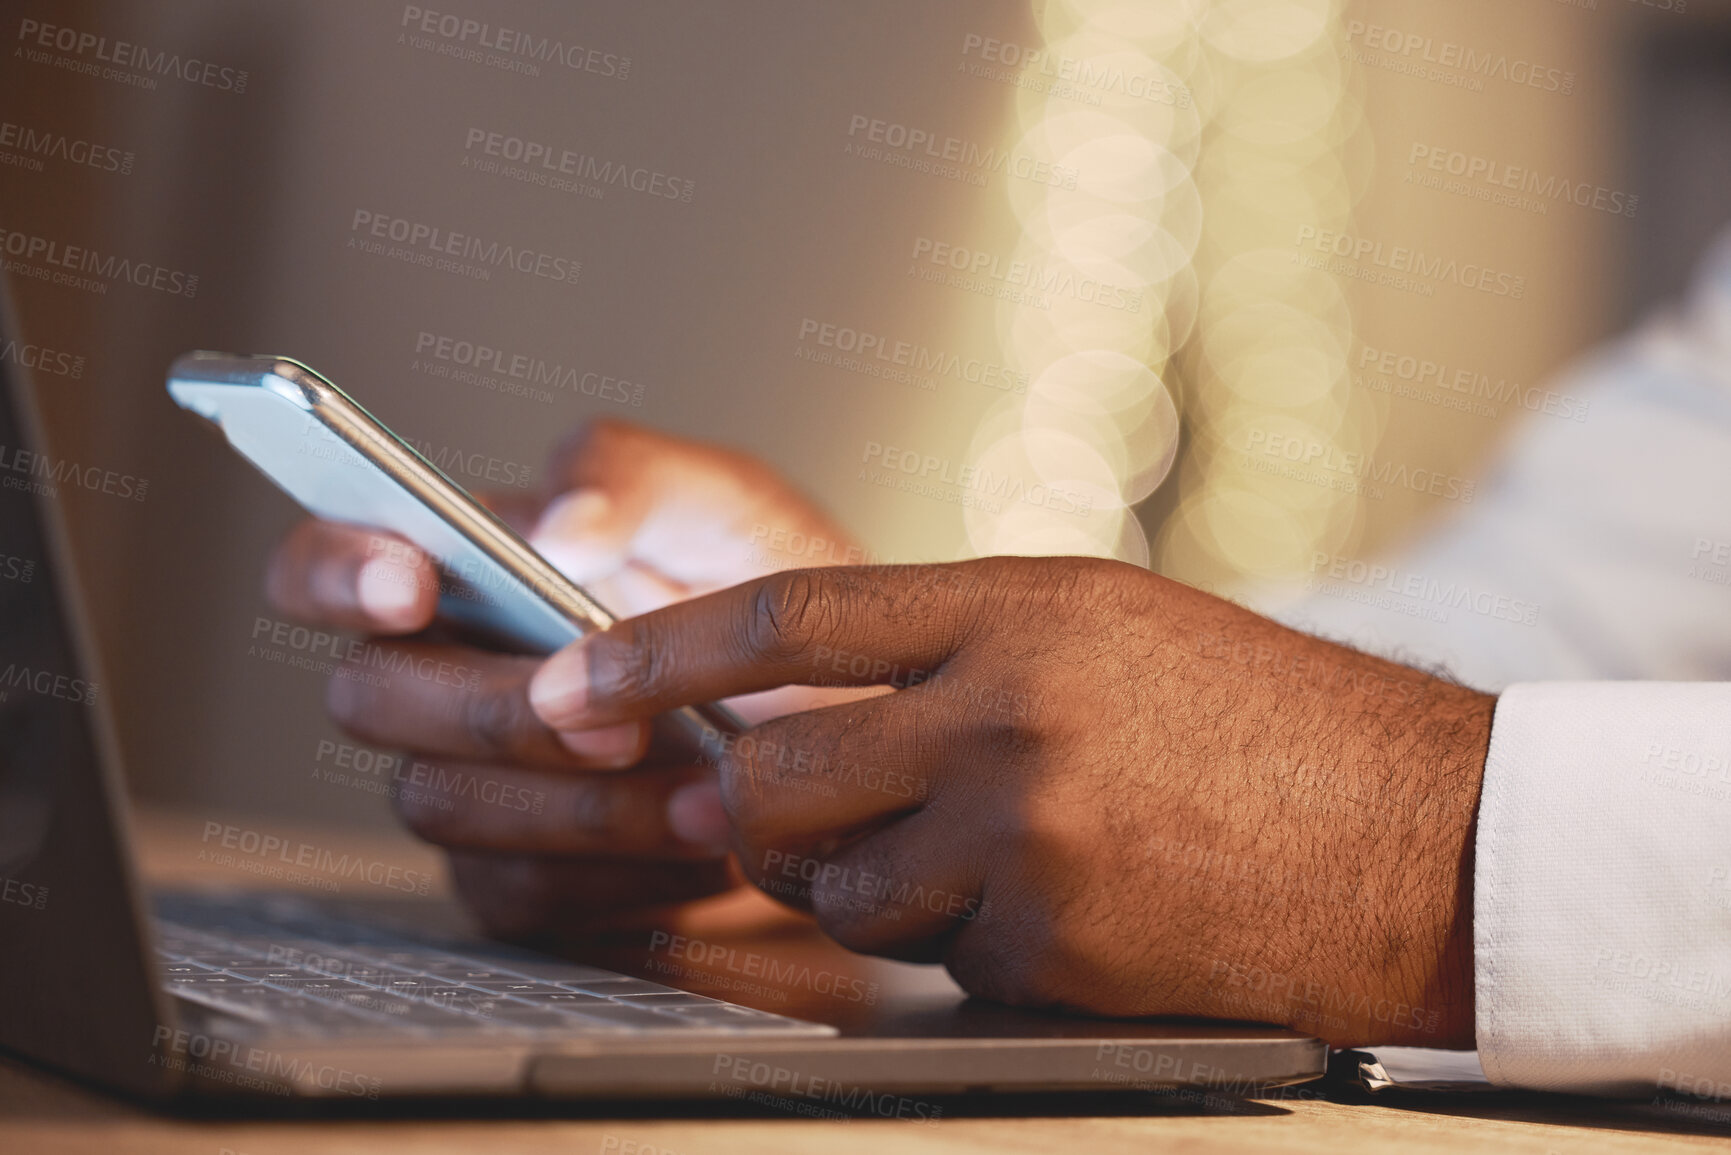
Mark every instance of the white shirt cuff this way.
pixel 1602 889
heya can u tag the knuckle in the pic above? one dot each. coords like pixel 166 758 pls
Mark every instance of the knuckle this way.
pixel 786 613
pixel 627 665
pixel 498 719
pixel 588 807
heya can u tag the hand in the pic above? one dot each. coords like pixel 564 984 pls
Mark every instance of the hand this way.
pixel 1093 789
pixel 551 830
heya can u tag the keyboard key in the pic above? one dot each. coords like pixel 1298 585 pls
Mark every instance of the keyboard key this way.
pixel 553 971
pixel 560 1000
pixel 725 1014
pixel 264 974
pixel 669 999
pixel 510 986
pixel 519 1015
pixel 620 985
pixel 637 1018
pixel 469 972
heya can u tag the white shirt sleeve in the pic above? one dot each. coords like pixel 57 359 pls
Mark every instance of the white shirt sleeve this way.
pixel 1600 550
pixel 1597 549
pixel 1602 889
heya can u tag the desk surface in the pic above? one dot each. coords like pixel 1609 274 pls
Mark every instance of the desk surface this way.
pixel 42 1113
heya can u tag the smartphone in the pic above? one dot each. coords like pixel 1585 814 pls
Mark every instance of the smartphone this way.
pixel 342 464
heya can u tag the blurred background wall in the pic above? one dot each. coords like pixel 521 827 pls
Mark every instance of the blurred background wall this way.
pixel 1135 245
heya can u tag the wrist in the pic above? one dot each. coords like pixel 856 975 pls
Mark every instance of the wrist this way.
pixel 1442 903
pixel 1419 876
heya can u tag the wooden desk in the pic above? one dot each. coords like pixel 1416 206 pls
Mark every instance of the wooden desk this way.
pixel 42 1113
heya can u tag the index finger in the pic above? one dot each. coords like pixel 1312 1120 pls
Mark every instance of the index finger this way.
pixel 883 625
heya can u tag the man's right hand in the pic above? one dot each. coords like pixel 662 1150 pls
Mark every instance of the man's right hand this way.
pixel 546 829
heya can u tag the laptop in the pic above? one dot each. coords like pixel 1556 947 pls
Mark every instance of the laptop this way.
pixel 266 995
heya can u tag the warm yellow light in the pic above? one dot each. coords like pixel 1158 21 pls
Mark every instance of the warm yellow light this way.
pixel 1264 31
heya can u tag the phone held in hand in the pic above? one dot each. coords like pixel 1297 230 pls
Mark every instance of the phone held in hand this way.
pixel 342 464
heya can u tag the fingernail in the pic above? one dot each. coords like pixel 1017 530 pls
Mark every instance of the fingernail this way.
pixel 560 688
pixel 387 593
pixel 610 747
pixel 694 814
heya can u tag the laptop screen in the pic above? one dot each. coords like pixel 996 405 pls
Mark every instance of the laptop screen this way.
pixel 75 990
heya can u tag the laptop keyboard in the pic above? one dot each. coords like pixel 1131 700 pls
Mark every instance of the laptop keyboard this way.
pixel 287 964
